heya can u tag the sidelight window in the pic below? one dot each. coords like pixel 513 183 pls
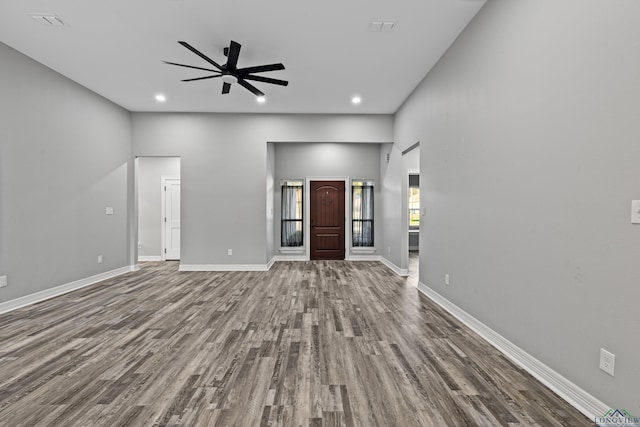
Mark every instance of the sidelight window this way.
pixel 414 208
pixel 291 214
pixel 362 212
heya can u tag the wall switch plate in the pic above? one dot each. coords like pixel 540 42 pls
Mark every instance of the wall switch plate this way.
pixel 607 361
pixel 446 279
pixel 99 259
pixel 229 252
pixel 635 212
pixel 3 281
pixel 109 210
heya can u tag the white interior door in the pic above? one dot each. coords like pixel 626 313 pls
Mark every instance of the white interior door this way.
pixel 172 219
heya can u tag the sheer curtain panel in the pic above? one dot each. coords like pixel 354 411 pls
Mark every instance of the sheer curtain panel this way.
pixel 291 213
pixel 362 218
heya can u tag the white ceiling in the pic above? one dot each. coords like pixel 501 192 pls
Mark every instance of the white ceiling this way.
pixel 116 49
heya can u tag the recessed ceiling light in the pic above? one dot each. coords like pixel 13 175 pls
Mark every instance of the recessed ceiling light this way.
pixel 160 97
pixel 356 100
pixel 261 99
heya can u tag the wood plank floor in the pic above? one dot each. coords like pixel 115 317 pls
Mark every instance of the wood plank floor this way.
pixel 321 343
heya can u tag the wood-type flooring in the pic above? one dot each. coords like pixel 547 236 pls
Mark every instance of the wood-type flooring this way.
pixel 320 343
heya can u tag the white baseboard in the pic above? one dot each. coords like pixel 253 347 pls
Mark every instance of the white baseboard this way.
pixel 362 257
pixel 62 289
pixel 149 258
pixel 290 258
pixel 399 271
pixel 576 396
pixel 226 267
pixel 362 250
pixel 298 250
pixel 270 263
pixel 354 257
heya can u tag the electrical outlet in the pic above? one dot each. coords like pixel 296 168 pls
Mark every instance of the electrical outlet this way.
pixel 99 259
pixel 229 252
pixel 3 281
pixel 607 361
pixel 446 279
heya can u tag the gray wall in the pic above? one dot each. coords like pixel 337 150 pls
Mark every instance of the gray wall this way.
pixel 299 161
pixel 64 157
pixel 151 170
pixel 394 180
pixel 530 157
pixel 271 188
pixel 223 168
pixel 413 160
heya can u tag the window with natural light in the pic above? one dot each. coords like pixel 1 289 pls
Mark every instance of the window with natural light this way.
pixel 291 214
pixel 414 207
pixel 362 213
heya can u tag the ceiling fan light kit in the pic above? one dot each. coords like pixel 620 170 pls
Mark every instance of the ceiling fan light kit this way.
pixel 229 78
pixel 229 72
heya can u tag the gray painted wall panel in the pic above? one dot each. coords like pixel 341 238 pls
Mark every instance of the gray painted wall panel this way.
pixel 64 157
pixel 224 168
pixel 394 179
pixel 529 159
pixel 299 161
pixel 271 188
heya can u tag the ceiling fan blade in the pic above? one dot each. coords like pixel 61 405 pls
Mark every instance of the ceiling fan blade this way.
pixel 250 87
pixel 234 53
pixel 201 55
pixel 226 87
pixel 201 78
pixel 267 80
pixel 191 66
pixel 260 69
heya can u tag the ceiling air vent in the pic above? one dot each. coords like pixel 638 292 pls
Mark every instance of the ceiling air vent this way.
pixel 49 20
pixel 382 25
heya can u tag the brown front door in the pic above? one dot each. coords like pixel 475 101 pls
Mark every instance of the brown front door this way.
pixel 327 219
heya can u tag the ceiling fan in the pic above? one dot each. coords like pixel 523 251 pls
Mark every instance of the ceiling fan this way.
pixel 230 73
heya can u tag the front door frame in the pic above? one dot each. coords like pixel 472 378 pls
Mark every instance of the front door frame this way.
pixel 307 210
